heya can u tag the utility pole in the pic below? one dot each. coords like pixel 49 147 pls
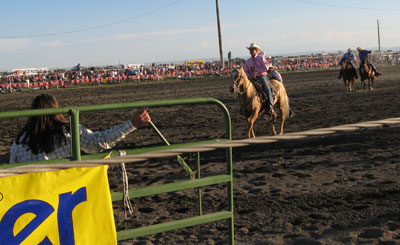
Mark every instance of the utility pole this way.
pixel 379 37
pixel 219 35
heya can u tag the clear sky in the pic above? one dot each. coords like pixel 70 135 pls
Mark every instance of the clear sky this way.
pixel 61 34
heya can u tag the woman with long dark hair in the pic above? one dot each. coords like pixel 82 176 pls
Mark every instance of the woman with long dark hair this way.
pixel 46 137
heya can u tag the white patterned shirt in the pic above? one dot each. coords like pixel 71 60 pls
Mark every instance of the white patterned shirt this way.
pixel 90 142
pixel 275 75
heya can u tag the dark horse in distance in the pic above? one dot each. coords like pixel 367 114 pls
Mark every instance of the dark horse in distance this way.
pixel 348 75
pixel 367 75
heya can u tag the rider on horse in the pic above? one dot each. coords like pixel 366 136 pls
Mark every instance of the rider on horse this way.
pixel 256 68
pixel 363 55
pixel 348 57
pixel 274 74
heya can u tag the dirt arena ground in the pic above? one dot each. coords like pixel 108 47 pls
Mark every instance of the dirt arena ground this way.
pixel 336 189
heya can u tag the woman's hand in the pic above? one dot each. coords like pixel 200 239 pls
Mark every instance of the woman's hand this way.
pixel 140 118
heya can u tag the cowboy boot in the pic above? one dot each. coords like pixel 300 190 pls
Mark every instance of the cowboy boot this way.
pixel 340 74
pixel 374 69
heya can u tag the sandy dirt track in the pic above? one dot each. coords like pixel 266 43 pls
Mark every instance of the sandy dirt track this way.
pixel 337 189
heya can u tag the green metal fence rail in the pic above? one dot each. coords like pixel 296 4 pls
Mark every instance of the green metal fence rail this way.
pixel 193 183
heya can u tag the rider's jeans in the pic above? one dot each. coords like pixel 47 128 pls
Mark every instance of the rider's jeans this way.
pixel 266 88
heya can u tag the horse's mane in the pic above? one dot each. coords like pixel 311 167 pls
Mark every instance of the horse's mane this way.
pixel 242 72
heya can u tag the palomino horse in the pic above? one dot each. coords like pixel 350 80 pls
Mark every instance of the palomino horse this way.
pixel 251 102
pixel 367 73
pixel 348 76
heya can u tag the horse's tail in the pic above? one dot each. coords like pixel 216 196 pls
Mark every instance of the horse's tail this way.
pixel 283 99
pixel 285 104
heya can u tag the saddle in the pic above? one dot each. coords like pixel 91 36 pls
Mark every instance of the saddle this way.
pixel 362 68
pixel 261 93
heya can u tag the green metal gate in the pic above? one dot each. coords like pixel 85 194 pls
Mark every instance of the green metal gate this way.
pixel 196 182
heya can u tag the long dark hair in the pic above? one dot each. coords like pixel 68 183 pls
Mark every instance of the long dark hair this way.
pixel 43 133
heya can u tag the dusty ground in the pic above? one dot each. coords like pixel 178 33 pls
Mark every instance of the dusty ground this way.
pixel 338 189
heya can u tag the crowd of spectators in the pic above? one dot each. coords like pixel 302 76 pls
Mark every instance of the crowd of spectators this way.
pixel 305 63
pixel 110 75
pixel 92 76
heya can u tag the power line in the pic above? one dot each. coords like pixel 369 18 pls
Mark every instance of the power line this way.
pixel 92 28
pixel 347 7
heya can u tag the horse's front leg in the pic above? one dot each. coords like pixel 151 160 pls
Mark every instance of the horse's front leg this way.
pixel 351 87
pixel 251 134
pixel 365 85
pixel 251 120
pixel 372 83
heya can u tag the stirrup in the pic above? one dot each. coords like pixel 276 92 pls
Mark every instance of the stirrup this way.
pixel 271 109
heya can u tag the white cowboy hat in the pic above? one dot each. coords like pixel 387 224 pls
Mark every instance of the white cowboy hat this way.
pixel 253 45
pixel 359 48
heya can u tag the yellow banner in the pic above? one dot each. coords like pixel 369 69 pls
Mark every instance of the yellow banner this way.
pixel 71 206
pixel 194 62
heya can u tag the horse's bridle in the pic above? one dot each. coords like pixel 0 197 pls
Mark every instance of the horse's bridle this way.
pixel 236 84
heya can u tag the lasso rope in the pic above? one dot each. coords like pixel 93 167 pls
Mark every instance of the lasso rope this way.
pixel 127 201
pixel 125 193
